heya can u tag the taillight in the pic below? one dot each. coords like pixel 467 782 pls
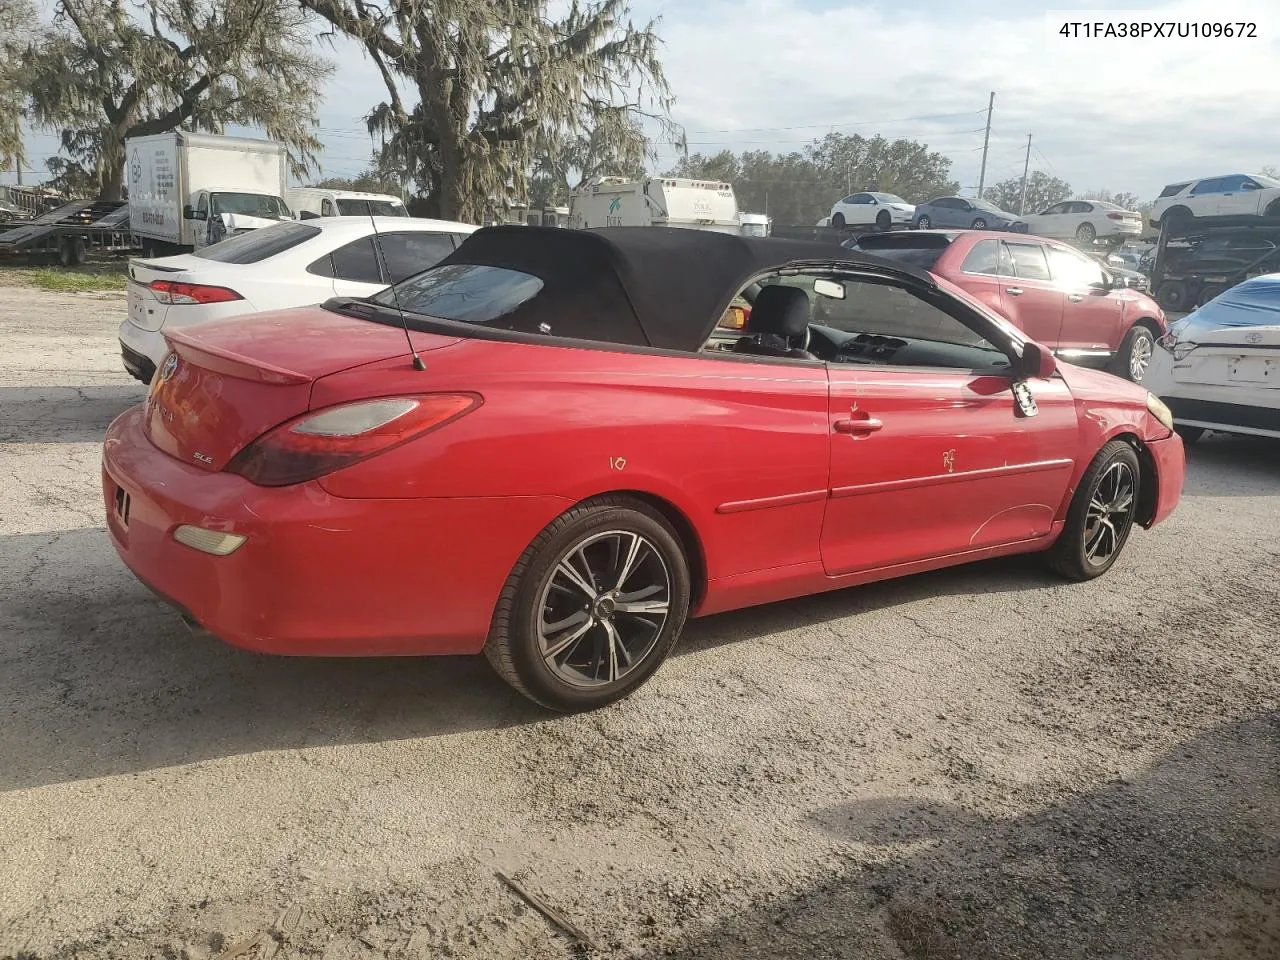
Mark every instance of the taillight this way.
pixel 315 444
pixel 1115 216
pixel 170 291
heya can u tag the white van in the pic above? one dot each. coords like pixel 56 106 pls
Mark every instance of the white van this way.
pixel 310 202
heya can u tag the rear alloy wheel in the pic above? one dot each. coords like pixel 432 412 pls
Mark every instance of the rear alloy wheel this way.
pixel 883 220
pixel 592 607
pixel 1101 515
pixel 1086 234
pixel 838 221
pixel 979 223
pixel 1135 353
pixel 922 223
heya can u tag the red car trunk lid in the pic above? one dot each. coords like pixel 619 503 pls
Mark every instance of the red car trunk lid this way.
pixel 233 380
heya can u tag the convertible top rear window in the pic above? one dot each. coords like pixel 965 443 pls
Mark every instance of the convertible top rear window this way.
pixel 466 292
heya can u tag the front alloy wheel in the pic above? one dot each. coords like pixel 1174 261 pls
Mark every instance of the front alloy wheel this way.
pixel 1101 514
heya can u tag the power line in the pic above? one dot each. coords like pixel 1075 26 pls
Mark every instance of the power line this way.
pixel 853 123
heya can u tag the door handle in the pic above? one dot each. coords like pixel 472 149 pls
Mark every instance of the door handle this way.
pixel 1013 291
pixel 858 425
pixel 1075 297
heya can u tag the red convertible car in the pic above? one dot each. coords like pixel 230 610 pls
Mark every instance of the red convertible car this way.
pixel 541 449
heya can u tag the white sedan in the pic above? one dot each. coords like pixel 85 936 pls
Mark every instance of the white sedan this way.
pixel 1085 221
pixel 881 210
pixel 292 264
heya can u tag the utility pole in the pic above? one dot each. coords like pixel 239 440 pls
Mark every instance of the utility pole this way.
pixel 1026 164
pixel 982 177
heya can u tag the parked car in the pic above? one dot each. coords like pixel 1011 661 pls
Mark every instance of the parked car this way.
pixel 966 213
pixel 285 265
pixel 881 210
pixel 1234 195
pixel 12 213
pixel 530 451
pixel 1219 367
pixel 1057 295
pixel 1085 221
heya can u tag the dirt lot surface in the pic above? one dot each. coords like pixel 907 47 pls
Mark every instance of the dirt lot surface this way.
pixel 976 764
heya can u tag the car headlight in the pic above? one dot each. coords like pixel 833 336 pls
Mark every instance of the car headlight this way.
pixel 1160 410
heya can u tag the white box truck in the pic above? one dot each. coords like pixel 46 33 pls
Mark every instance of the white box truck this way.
pixel 655 202
pixel 188 190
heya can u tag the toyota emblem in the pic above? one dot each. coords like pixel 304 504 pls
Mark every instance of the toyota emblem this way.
pixel 170 364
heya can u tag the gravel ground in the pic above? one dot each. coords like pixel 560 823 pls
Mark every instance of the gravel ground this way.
pixel 980 763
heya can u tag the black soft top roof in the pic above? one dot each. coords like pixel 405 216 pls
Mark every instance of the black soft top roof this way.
pixel 661 287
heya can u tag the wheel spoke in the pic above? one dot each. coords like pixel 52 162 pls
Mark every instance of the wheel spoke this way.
pixel 1122 504
pixel 629 563
pixel 567 640
pixel 615 648
pixel 565 569
pixel 643 606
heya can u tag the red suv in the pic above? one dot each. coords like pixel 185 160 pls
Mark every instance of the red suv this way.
pixel 1055 294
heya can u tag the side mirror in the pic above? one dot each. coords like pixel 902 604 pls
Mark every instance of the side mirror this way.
pixel 188 212
pixel 1037 361
pixel 1102 286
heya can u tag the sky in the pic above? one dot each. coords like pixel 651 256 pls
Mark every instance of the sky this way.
pixel 1123 115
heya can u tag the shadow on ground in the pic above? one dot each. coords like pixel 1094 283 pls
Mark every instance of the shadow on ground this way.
pixel 98 677
pixel 1182 861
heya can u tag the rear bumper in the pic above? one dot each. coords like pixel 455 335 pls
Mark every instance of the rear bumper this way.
pixel 148 345
pixel 1171 469
pixel 317 575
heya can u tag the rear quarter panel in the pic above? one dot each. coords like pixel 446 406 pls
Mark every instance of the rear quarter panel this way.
pixel 739 448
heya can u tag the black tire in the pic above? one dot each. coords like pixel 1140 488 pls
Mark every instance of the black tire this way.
pixel 1174 295
pixel 1086 234
pixel 1136 351
pixel 979 223
pixel 1273 210
pixel 1176 217
pixel 1070 556
pixel 514 648
pixel 883 220
pixel 1189 435
pixel 71 251
pixel 838 221
pixel 1208 292
pixel 923 221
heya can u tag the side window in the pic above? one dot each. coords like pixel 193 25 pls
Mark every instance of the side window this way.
pixel 983 258
pixel 1055 209
pixel 1208 186
pixel 1173 189
pixel 1233 184
pixel 1078 207
pixel 408 253
pixel 864 198
pixel 326 208
pixel 357 261
pixel 1028 261
pixel 852 198
pixel 889 325
pixel 1073 270
pixel 202 203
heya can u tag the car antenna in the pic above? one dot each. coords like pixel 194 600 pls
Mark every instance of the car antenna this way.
pixel 382 259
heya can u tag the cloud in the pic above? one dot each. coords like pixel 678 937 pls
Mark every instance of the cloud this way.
pixel 1124 114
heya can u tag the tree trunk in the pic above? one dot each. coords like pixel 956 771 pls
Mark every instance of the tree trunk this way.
pixel 113 163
